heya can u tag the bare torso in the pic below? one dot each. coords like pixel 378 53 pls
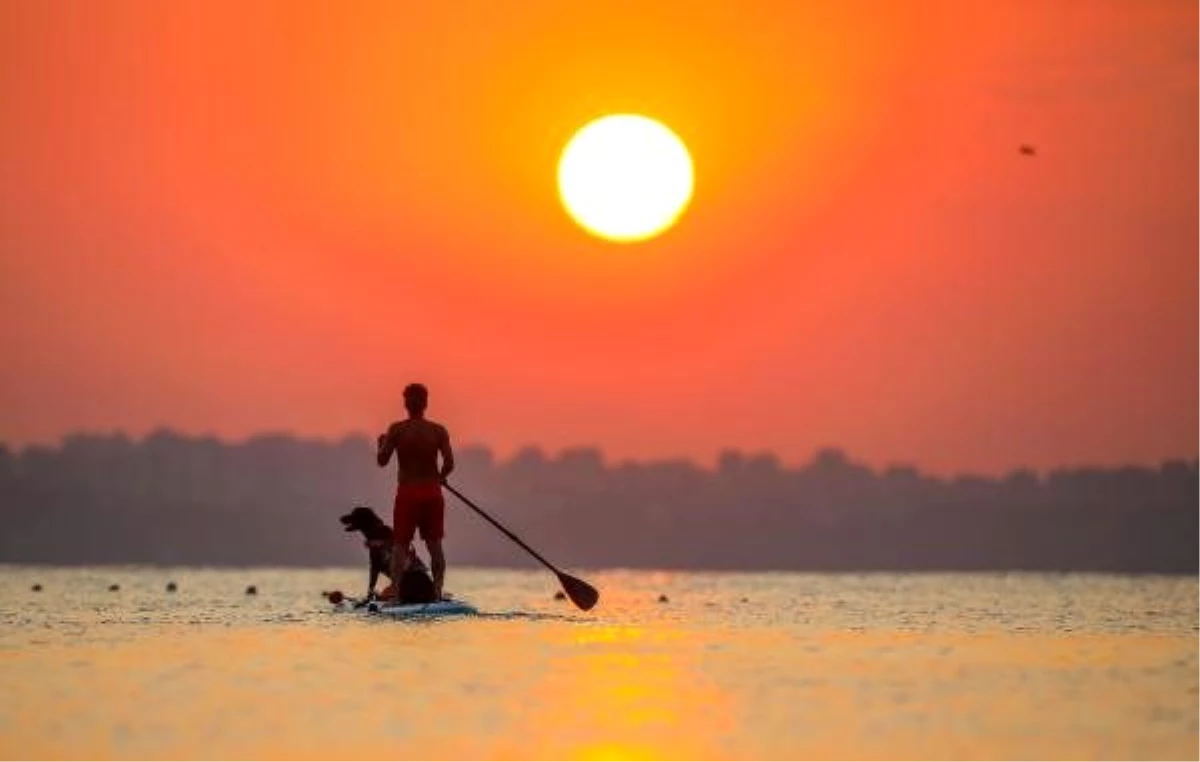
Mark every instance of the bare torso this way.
pixel 417 442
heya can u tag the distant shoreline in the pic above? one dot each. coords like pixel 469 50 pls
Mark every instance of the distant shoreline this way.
pixel 519 452
pixel 274 501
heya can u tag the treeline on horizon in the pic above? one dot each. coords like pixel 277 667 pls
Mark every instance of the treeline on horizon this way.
pixel 275 500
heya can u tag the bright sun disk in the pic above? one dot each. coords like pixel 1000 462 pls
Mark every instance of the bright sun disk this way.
pixel 625 177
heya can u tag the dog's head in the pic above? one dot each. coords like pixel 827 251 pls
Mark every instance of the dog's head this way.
pixel 363 519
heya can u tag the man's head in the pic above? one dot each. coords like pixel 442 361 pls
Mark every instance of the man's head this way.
pixel 416 398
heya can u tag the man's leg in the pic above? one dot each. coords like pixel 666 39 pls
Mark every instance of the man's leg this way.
pixel 400 562
pixel 433 529
pixel 437 565
pixel 404 526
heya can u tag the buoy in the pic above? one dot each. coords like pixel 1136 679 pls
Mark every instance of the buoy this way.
pixel 560 596
pixel 336 597
pixel 114 587
pixel 171 587
pixel 37 588
pixel 251 590
pixel 662 599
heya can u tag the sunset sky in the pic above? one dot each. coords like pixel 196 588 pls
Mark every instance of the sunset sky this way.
pixel 233 218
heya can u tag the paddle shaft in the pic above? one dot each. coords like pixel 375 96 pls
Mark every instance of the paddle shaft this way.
pixel 501 527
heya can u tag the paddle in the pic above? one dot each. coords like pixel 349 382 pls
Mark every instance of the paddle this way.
pixel 581 593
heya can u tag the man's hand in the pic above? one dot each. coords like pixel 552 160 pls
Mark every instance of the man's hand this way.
pixel 383 449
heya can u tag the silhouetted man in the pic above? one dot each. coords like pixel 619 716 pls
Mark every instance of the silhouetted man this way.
pixel 419 505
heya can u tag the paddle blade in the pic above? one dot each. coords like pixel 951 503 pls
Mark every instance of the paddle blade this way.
pixel 581 593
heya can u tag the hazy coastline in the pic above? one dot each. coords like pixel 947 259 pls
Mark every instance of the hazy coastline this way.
pixel 170 499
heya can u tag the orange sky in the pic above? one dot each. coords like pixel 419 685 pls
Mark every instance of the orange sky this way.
pixel 227 221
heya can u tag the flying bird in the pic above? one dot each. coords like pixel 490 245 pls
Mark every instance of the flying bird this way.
pixel 1028 150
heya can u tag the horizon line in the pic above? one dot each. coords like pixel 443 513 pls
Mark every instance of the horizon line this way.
pixel 534 568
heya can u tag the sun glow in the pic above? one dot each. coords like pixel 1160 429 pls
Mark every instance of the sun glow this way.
pixel 625 177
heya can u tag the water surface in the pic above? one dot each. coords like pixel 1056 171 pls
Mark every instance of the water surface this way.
pixel 728 666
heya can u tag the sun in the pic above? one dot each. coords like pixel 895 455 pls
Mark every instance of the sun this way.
pixel 625 177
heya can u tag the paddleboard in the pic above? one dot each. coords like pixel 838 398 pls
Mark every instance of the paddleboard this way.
pixel 411 610
pixel 448 607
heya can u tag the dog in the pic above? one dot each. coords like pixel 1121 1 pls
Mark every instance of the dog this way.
pixel 416 586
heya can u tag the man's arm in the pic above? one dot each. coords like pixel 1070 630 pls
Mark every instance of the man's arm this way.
pixel 446 451
pixel 385 445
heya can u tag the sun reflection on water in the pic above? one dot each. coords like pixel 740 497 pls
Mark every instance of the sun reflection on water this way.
pixel 630 693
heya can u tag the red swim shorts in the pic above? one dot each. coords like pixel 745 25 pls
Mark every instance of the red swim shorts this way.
pixel 419 506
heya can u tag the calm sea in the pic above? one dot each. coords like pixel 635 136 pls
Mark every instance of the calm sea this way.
pixel 727 666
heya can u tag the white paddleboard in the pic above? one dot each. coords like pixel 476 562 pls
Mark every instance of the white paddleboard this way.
pixel 437 608
pixel 448 607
